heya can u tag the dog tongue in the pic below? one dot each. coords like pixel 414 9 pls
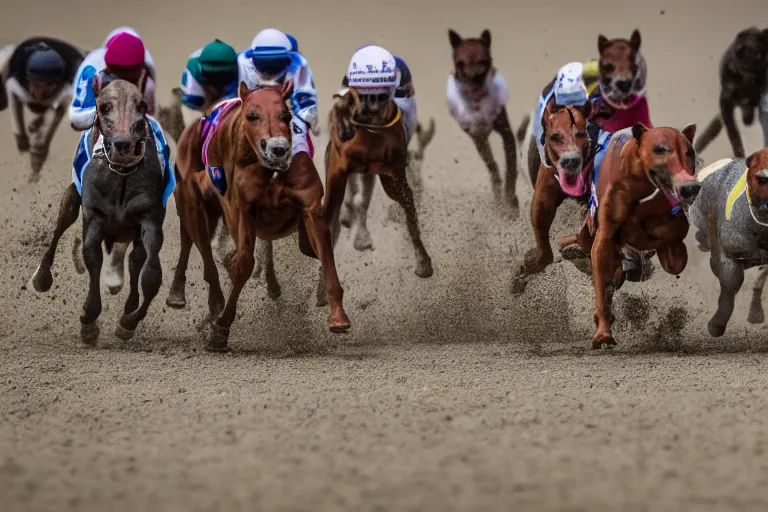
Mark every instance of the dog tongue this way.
pixel 572 185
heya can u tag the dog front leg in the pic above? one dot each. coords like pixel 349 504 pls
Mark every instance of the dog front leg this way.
pixel 727 115
pixel 604 259
pixel 547 197
pixel 731 277
pixel 502 126
pixel 334 197
pixel 484 149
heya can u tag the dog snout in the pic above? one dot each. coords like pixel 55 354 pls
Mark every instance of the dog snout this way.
pixel 279 151
pixel 624 85
pixel 478 79
pixel 689 191
pixel 122 143
pixel 571 163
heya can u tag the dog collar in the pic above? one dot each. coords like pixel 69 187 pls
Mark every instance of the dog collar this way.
pixel 676 209
pixel 373 127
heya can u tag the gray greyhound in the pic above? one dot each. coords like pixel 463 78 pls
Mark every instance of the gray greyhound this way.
pixel 731 218
pixel 123 190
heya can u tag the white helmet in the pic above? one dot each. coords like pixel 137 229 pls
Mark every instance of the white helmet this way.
pixel 118 30
pixel 373 69
pixel 271 37
pixel 569 85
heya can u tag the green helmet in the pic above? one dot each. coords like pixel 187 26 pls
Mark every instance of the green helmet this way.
pixel 218 57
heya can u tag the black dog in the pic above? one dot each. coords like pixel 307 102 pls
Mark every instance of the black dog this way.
pixel 743 75
pixel 124 189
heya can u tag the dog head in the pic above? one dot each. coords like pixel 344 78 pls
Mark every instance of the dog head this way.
pixel 121 119
pixel 669 161
pixel 622 70
pixel 567 144
pixel 472 62
pixel 750 49
pixel 757 184
pixel 267 124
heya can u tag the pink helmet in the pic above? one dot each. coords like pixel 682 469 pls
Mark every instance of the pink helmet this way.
pixel 124 50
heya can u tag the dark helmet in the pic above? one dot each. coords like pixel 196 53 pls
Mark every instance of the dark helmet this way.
pixel 45 65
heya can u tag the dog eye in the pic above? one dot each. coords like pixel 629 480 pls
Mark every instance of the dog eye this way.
pixel 762 180
pixel 460 64
pixel 484 63
pixel 660 150
pixel 104 108
pixel 607 68
pixel 285 116
pixel 142 108
pixel 252 116
pixel 581 135
pixel 557 137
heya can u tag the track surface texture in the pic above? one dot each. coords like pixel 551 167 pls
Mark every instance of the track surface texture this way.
pixel 448 393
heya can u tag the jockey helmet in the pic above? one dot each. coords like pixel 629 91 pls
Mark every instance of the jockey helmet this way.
pixel 119 30
pixel 125 52
pixel 270 53
pixel 45 65
pixel 569 85
pixel 372 70
pixel 218 63
pixel 294 43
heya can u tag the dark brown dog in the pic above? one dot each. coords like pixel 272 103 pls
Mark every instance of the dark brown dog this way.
pixel 477 98
pixel 743 70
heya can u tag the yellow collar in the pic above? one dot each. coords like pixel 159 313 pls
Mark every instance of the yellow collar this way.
pixel 374 127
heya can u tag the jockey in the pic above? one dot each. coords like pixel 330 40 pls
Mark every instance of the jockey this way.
pixel 39 75
pixel 210 76
pixel 398 85
pixel 127 59
pixel 272 61
pixel 122 57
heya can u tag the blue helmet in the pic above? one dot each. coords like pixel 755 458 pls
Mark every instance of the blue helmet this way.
pixel 270 52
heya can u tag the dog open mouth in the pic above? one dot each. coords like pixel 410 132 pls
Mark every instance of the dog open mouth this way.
pixel 571 183
pixel 663 182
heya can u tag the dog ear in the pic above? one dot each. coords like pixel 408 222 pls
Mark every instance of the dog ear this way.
pixel 602 43
pixel 287 89
pixel 243 91
pixel 96 86
pixel 638 130
pixel 749 159
pixel 635 40
pixel 585 109
pixel 454 38
pixel 485 37
pixel 689 131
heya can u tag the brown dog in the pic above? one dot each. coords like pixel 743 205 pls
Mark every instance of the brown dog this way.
pixel 269 194
pixel 646 181
pixel 368 137
pixel 477 96
pixel 567 157
pixel 616 83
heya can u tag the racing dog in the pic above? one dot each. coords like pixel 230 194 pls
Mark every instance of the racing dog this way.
pixel 743 75
pixel 564 173
pixel 477 96
pixel 731 218
pixel 123 190
pixel 237 163
pixel 646 183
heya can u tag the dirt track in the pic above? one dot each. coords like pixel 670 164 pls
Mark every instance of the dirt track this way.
pixel 449 393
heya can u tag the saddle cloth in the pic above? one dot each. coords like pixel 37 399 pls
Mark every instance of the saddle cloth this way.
pixel 84 155
pixel 208 126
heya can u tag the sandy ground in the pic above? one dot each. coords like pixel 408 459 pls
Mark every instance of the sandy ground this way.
pixel 448 393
